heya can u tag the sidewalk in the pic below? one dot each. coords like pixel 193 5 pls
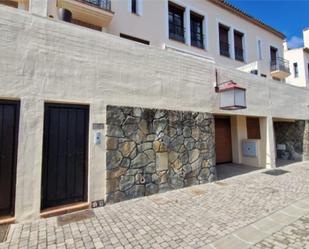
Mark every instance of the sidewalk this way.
pixel 187 218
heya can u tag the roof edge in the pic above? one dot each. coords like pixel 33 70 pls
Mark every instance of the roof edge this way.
pixel 230 7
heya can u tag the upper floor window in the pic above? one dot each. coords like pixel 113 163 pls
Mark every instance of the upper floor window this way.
pixel 176 22
pixel 197 36
pixel 238 43
pixel 134 6
pixel 273 56
pixel 224 40
pixel 259 49
pixel 295 67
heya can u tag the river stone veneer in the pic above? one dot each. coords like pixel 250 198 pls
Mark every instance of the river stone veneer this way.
pixel 150 150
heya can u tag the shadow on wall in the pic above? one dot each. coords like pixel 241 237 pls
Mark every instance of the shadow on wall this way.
pixel 290 140
pixel 150 150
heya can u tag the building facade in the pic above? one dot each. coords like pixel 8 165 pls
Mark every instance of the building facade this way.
pixel 299 62
pixel 89 118
pixel 210 29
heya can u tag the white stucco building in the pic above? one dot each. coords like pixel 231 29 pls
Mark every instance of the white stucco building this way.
pixel 299 62
pixel 211 29
pixel 90 118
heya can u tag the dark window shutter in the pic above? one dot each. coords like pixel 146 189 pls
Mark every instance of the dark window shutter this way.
pixel 253 128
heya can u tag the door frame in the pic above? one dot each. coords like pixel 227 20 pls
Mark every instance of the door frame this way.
pixel 16 103
pixel 44 150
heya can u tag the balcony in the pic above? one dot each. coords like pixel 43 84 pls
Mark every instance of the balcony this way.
pixel 20 4
pixel 94 12
pixel 279 68
pixel 224 49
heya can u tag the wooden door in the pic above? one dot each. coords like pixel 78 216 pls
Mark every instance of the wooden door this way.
pixel 65 152
pixel 223 140
pixel 9 119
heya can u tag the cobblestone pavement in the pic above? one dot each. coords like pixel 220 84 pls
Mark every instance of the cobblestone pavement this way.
pixel 187 218
pixel 295 235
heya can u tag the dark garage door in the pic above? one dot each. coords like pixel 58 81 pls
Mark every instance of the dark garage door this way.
pixel 223 140
pixel 9 117
pixel 64 179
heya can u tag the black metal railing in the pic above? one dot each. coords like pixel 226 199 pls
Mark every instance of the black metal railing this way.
pixel 280 64
pixel 224 49
pixel 176 32
pixel 102 4
pixel 197 40
pixel 239 54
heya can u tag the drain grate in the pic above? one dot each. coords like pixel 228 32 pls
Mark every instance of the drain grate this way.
pixel 276 172
pixel 74 217
pixel 3 232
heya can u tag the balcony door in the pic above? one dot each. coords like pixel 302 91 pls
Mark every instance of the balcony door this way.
pixel 273 55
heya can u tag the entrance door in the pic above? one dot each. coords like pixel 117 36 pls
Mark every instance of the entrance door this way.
pixel 64 179
pixel 223 140
pixel 9 118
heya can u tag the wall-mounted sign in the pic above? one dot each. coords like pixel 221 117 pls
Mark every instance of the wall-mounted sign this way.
pixel 97 126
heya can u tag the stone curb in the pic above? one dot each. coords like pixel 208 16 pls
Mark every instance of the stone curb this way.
pixel 263 228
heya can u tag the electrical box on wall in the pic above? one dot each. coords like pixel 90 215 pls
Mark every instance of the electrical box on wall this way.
pixel 249 148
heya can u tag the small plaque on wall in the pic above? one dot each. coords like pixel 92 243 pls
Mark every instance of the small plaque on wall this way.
pixel 98 203
pixel 97 126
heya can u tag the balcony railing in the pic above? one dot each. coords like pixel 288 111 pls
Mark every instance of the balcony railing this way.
pixel 239 54
pixel 280 64
pixel 102 4
pixel 176 32
pixel 224 49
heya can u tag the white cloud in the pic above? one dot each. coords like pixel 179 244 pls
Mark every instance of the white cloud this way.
pixel 295 42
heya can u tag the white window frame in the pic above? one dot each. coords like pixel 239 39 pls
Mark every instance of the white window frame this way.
pixel 244 43
pixel 230 36
pixel 205 25
pixel 187 22
pixel 139 7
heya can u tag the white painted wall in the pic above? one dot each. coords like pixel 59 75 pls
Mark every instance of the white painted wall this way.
pixel 300 57
pixel 151 23
pixel 153 26
pixel 48 60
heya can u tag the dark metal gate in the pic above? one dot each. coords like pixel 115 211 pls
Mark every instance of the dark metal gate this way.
pixel 9 120
pixel 65 154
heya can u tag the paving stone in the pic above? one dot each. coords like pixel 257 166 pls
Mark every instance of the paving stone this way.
pixel 193 217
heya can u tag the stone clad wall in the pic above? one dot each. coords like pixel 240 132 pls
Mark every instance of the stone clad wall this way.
pixel 150 150
pixel 295 136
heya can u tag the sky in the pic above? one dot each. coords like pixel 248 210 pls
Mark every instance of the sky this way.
pixel 288 16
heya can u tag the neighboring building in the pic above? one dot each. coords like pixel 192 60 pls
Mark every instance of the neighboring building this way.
pixel 213 29
pixel 299 63
pixel 89 118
